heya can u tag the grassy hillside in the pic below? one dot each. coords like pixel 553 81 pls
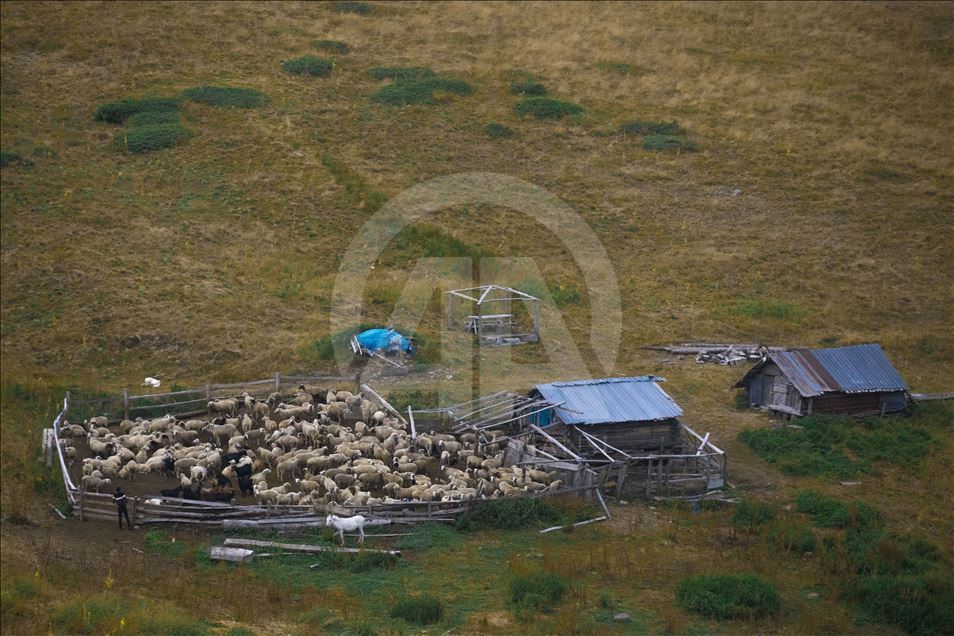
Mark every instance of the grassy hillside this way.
pixel 803 196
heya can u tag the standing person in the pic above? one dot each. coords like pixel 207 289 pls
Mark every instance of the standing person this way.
pixel 120 498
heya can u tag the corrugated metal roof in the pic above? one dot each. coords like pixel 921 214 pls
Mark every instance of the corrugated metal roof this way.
pixel 854 369
pixel 611 400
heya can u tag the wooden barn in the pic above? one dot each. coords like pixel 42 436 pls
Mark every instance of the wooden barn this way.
pixel 633 414
pixel 855 380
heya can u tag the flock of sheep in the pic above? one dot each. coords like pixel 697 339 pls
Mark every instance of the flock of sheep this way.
pixel 317 447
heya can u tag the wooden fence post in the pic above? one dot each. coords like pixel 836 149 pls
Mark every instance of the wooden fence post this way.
pixel 278 381
pixel 82 504
pixel 208 392
pixel 135 509
pixel 125 404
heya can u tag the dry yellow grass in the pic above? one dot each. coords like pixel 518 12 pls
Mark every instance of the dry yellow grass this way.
pixel 834 121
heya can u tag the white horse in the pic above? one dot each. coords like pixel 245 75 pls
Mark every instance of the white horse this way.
pixel 347 523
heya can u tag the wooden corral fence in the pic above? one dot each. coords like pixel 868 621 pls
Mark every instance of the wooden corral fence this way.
pixel 124 406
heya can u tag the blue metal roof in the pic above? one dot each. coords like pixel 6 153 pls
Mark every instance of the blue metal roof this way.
pixel 854 369
pixel 611 400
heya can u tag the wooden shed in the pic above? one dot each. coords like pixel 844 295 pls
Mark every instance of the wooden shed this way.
pixel 854 380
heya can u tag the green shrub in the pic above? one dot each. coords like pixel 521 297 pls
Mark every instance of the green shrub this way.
pixel 426 536
pixel 497 131
pixel 508 514
pixel 351 6
pixel 419 91
pixel 639 127
pixel 399 73
pixel 145 138
pixel 566 294
pixel 547 108
pixel 660 143
pixel 819 446
pixel 308 65
pixel 154 118
pixel 117 112
pixel 324 348
pixel 727 597
pixel 918 605
pixel 96 615
pixel 827 512
pixel 750 514
pixel 8 156
pixel 419 610
pixel 797 538
pixel 226 96
pixel 331 45
pixel 536 591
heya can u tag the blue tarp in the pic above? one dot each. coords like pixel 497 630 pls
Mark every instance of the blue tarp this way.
pixel 384 341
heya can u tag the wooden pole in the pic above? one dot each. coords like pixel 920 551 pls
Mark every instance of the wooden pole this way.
pixel 410 417
pixel 82 502
pixel 125 403
pixel 278 381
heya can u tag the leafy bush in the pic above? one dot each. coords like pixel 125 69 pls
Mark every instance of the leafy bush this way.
pixel 827 512
pixel 334 46
pixel 918 605
pixel 226 96
pixel 750 514
pixel 351 6
pixel 426 536
pixel 497 131
pixel 640 127
pixel 547 108
pixel 145 138
pixel 8 156
pixel 523 83
pixel 308 65
pixel 117 112
pixel 508 514
pixel 419 91
pixel 661 143
pixel 154 118
pixel 819 447
pixel 536 591
pixel 420 610
pixel 399 73
pixel 728 596
pixel 797 538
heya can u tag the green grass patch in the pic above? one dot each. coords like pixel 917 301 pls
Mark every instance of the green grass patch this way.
pixel 666 143
pixel 160 543
pixel 536 591
pixel 621 68
pixel 226 96
pixel 508 514
pixel 564 294
pixel 727 596
pixel 96 615
pixel 495 130
pixel 828 512
pixel 154 118
pixel 419 610
pixel 352 6
pixel 308 65
pixel 427 536
pixel 323 349
pixel 916 604
pixel 757 308
pixel 8 156
pixel 822 446
pixel 789 536
pixel 117 112
pixel 332 46
pixel 547 108
pixel 415 398
pixel 523 83
pixel 401 73
pixel 641 127
pixel 750 514
pixel 430 240
pixel 240 631
pixel 356 191
pixel 422 90
pixel 356 562
pixel 147 138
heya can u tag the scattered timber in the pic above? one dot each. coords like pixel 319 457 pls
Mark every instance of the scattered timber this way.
pixel 575 525
pixel 300 547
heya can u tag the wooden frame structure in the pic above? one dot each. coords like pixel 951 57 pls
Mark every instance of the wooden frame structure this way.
pixel 493 329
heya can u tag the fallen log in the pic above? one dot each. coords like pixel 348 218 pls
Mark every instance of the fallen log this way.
pixel 299 547
pixel 579 523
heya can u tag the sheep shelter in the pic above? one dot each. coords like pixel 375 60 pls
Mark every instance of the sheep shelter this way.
pixel 854 380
